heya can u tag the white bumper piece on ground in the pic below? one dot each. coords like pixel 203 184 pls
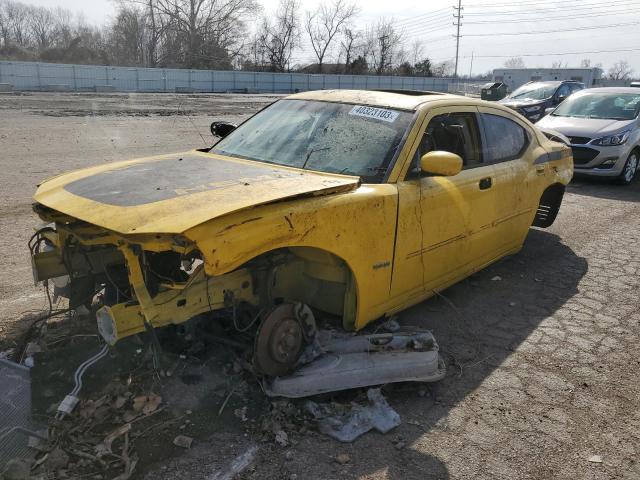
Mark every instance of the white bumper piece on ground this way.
pixel 362 361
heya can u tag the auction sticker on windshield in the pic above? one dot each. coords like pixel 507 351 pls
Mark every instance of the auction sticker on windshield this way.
pixel 375 113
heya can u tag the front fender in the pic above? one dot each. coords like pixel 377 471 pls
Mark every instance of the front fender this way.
pixel 359 227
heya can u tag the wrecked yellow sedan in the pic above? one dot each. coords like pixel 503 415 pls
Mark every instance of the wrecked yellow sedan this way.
pixel 353 205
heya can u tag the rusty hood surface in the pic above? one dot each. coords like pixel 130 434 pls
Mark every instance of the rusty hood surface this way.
pixel 172 193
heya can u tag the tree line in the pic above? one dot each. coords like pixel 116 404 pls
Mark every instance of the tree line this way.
pixel 216 34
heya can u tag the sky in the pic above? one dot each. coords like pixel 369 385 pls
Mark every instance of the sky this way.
pixel 542 31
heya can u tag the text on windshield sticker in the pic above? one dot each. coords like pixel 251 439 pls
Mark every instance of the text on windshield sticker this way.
pixel 376 113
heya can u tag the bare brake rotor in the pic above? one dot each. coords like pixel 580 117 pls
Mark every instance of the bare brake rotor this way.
pixel 280 341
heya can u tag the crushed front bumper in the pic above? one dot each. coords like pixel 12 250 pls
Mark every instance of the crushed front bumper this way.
pixel 96 260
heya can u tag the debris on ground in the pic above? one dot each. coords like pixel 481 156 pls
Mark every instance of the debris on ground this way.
pixel 16 469
pixel 238 465
pixel 391 325
pixel 346 423
pixel 595 459
pixel 497 278
pixel 343 458
pixel 183 441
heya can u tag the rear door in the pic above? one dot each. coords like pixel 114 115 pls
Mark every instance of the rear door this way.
pixel 509 148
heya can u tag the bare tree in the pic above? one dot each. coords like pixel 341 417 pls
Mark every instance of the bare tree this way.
pixel 559 64
pixel 128 36
pixel 416 51
pixel 4 24
pixel 63 27
pixel 444 69
pixel 325 23
pixel 383 43
pixel 515 62
pixel 42 26
pixel 350 43
pixel 196 33
pixel 620 71
pixel 278 38
pixel 18 21
pixel 585 63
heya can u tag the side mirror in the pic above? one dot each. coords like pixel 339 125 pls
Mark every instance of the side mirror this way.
pixel 561 98
pixel 441 163
pixel 222 129
pixel 549 110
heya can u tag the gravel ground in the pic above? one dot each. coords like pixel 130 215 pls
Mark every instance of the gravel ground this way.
pixel 543 364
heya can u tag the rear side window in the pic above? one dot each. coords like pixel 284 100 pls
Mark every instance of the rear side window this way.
pixel 505 139
pixel 564 90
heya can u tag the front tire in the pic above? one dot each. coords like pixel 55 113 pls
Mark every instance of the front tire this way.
pixel 630 169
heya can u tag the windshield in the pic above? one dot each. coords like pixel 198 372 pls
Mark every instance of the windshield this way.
pixel 613 106
pixel 534 91
pixel 327 137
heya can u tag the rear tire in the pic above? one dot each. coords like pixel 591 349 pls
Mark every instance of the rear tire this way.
pixel 630 168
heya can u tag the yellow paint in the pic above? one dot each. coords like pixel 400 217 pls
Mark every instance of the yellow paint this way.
pixel 441 163
pixel 385 246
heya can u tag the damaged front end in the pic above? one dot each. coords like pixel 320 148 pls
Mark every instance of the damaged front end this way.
pixel 145 281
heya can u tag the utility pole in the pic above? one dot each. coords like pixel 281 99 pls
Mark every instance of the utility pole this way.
pixel 471 67
pixel 457 24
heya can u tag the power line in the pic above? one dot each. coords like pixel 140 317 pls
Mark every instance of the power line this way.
pixel 538 32
pixel 549 5
pixel 422 24
pixel 564 19
pixel 422 31
pixel 425 16
pixel 584 7
pixel 624 50
pixel 458 17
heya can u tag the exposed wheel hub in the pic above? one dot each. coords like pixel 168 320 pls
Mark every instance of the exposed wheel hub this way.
pixel 279 342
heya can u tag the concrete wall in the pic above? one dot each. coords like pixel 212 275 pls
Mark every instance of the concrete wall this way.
pixel 91 78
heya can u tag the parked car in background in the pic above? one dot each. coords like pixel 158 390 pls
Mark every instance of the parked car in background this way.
pixel 603 127
pixel 533 99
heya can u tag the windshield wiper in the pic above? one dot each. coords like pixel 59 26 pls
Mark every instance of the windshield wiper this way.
pixel 312 151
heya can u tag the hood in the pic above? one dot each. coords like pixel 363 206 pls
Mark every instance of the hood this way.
pixel 520 102
pixel 172 193
pixel 583 127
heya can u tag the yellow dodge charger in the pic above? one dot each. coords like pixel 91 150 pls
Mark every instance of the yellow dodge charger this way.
pixel 354 204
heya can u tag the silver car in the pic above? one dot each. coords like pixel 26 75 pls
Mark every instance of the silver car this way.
pixel 603 126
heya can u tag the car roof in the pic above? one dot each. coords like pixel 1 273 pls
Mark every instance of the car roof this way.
pixel 400 99
pixel 546 82
pixel 612 90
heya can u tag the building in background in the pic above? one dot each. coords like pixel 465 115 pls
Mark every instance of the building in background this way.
pixel 516 77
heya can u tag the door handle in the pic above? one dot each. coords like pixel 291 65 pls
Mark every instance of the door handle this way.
pixel 485 183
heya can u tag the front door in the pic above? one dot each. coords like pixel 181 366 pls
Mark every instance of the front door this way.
pixel 437 214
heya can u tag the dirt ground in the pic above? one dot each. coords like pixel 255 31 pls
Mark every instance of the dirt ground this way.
pixel 544 362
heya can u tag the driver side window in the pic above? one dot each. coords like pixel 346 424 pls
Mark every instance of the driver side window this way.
pixel 452 132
